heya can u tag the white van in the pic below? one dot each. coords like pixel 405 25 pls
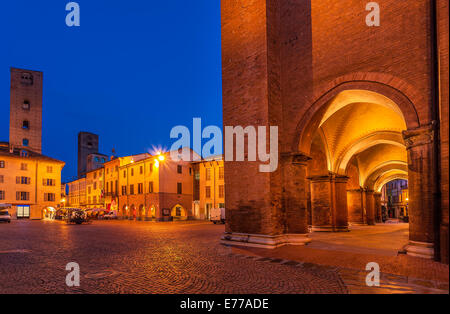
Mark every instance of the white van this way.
pixel 217 215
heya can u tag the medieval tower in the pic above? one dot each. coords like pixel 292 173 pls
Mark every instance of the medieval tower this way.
pixel 25 125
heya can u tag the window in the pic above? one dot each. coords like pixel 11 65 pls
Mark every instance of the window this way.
pixel 23 153
pixel 89 190
pixel 179 188
pixel 208 191
pixel 95 176
pixel 179 169
pixel 131 189
pixel 221 173
pixel 49 169
pixel 2 195
pixel 124 190
pixel 23 211
pixel 221 191
pixel 26 105
pixel 141 170
pixel 23 180
pixel 25 142
pixel 25 125
pixel 49 197
pixel 22 196
pixel 2 164
pixel 107 170
pixel 95 185
pixel 132 172
pixel 94 201
pixel 150 187
pixel 48 182
pixel 124 174
pixel 140 188
pixel 2 179
pixel 26 79
pixel 89 199
pixel 151 167
pixel 208 174
pixel 23 166
pixel 190 171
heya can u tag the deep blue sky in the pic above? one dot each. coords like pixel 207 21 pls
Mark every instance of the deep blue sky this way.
pixel 131 72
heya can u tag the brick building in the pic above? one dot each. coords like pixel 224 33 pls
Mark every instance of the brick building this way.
pixel 356 106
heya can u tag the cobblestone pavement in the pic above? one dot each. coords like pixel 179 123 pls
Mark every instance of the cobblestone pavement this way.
pixel 186 257
pixel 144 257
pixel 349 253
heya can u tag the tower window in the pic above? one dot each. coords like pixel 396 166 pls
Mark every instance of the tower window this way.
pixel 25 125
pixel 26 79
pixel 26 105
pixel 25 142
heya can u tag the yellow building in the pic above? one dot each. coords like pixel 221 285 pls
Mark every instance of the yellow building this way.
pixel 94 188
pixel 77 193
pixel 211 186
pixel 29 182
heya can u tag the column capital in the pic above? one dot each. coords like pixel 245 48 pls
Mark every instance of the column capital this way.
pixel 330 177
pixel 356 190
pixel 296 157
pixel 422 135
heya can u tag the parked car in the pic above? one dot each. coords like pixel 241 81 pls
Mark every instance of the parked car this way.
pixel 217 215
pixel 5 216
pixel 111 215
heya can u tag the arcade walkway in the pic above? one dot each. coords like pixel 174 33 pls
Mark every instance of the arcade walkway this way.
pixel 350 252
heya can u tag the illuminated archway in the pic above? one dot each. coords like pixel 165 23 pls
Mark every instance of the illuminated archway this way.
pixel 178 212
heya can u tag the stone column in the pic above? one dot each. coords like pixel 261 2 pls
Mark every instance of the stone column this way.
pixel 378 213
pixel 329 203
pixel 274 212
pixel 295 196
pixel 356 209
pixel 370 207
pixel 423 192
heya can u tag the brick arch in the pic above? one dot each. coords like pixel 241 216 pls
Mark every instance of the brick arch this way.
pixel 397 90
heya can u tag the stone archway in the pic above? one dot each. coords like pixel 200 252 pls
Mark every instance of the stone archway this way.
pixel 383 134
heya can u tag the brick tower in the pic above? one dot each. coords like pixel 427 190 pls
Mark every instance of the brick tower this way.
pixel 25 124
pixel 87 144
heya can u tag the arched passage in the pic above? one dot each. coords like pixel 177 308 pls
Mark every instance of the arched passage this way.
pixel 364 134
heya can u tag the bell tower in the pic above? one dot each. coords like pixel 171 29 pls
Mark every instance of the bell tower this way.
pixel 25 123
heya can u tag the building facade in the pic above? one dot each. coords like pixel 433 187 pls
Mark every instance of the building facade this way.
pixel 139 187
pixel 29 182
pixel 210 178
pixel 397 197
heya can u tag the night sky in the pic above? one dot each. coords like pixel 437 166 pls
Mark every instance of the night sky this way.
pixel 133 70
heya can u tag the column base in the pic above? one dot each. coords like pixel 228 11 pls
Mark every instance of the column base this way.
pixel 358 224
pixel 264 241
pixel 420 249
pixel 329 229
